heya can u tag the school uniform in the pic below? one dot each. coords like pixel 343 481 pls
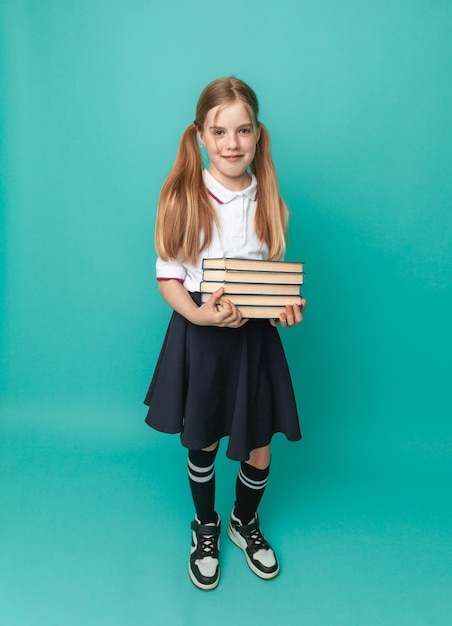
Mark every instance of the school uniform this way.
pixel 212 382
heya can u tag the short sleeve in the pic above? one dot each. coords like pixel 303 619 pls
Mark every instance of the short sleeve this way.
pixel 169 269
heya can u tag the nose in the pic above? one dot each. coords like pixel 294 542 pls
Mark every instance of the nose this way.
pixel 233 142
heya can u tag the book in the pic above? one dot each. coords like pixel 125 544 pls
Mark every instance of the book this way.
pixel 209 287
pixel 257 265
pixel 258 300
pixel 243 276
pixel 259 289
pixel 263 312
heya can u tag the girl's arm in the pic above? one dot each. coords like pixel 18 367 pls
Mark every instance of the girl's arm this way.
pixel 215 312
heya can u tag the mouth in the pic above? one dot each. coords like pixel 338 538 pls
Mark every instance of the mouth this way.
pixel 233 157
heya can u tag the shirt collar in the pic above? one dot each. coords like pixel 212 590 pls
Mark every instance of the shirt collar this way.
pixel 223 194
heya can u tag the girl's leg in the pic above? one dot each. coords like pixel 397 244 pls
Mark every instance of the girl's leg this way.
pixel 201 475
pixel 204 565
pixel 251 482
pixel 244 529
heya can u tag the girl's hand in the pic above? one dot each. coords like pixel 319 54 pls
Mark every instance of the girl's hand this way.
pixel 219 311
pixel 291 316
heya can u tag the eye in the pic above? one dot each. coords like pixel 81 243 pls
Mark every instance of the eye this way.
pixel 245 131
pixel 217 132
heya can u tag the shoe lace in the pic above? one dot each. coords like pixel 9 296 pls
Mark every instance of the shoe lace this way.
pixel 207 546
pixel 257 541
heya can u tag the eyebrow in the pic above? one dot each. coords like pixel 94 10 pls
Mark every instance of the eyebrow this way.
pixel 217 127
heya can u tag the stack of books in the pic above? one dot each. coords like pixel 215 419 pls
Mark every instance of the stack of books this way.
pixel 259 289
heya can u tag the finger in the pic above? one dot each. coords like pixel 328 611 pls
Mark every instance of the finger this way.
pixel 215 297
pixel 290 316
pixel 283 319
pixel 225 308
pixel 300 310
pixel 228 315
pixel 224 311
pixel 229 306
pixel 298 316
pixel 235 319
pixel 221 304
pixel 234 323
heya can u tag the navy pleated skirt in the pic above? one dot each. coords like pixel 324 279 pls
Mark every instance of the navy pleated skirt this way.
pixel 212 382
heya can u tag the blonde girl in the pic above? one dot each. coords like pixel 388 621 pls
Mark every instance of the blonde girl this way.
pixel 218 374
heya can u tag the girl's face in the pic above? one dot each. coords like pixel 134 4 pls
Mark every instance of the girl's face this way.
pixel 230 139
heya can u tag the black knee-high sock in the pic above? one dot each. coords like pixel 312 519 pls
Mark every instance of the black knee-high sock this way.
pixel 201 475
pixel 250 486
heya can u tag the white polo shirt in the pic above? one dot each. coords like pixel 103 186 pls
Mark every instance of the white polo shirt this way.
pixel 235 238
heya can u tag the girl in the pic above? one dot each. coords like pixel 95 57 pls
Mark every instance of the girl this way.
pixel 219 374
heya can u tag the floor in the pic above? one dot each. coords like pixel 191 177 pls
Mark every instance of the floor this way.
pixel 94 530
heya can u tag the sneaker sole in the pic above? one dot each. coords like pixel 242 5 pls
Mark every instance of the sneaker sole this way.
pixel 236 540
pixel 200 585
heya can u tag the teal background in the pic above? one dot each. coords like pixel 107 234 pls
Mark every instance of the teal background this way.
pixel 95 510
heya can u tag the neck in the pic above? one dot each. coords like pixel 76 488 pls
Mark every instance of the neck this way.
pixel 233 184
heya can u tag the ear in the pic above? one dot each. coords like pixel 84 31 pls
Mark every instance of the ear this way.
pixel 258 133
pixel 201 138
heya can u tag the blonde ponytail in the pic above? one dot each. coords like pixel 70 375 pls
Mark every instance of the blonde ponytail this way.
pixel 185 216
pixel 271 214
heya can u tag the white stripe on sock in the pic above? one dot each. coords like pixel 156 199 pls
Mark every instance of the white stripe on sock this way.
pixel 252 484
pixel 201 470
pixel 201 479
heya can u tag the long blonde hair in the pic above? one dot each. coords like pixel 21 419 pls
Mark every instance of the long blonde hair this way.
pixel 185 215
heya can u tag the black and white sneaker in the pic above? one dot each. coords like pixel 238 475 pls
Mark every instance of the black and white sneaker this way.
pixel 258 552
pixel 204 564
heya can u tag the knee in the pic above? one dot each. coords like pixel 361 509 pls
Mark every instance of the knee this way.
pixel 260 458
pixel 211 448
